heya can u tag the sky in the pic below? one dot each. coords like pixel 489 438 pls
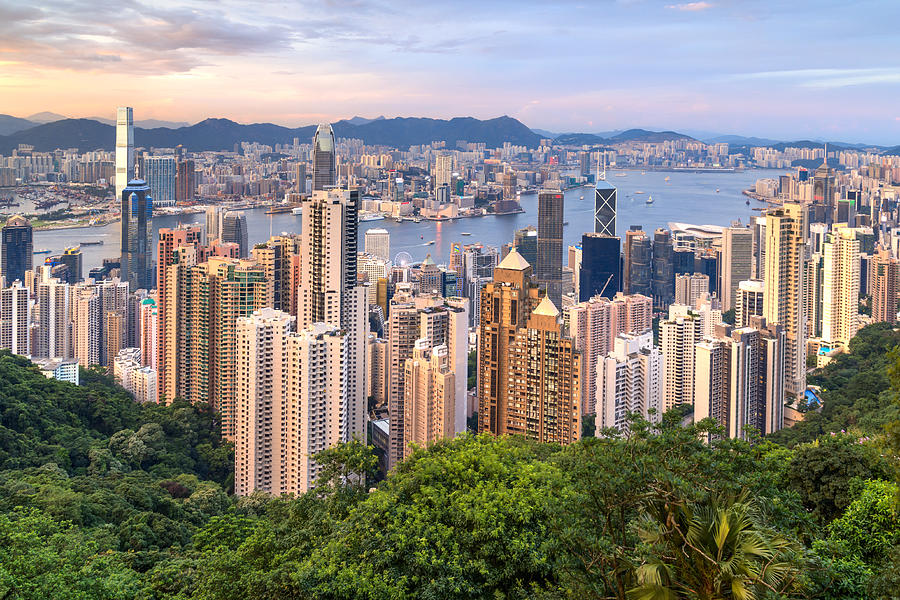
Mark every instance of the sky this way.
pixel 793 69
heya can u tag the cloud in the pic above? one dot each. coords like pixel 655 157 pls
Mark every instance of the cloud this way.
pixel 691 6
pixel 827 78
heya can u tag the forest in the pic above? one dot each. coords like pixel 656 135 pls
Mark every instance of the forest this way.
pixel 102 497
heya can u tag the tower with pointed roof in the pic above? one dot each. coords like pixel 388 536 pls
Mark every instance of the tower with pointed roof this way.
pixel 528 371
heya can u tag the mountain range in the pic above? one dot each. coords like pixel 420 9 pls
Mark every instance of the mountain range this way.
pixel 48 131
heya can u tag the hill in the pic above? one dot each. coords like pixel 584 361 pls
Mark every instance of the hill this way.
pixel 223 134
pixel 10 124
pixel 629 135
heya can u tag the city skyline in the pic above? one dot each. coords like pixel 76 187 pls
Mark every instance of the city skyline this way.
pixel 561 67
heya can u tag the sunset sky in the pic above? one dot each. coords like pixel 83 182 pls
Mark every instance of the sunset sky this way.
pixel 792 69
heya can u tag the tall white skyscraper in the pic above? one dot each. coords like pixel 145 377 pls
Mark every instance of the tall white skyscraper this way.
pixel 840 286
pixel 15 319
pixel 443 169
pixel 678 335
pixel 629 379
pixel 378 243
pixel 124 148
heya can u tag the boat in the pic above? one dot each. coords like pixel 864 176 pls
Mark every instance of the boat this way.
pixel 465 233
pixel 42 251
pixel 717 190
pixel 565 223
pixel 649 199
pixel 582 198
pixel 748 203
pixel 371 217
pixel 621 174
pixel 91 243
pixel 639 192
pixel 431 243
pixel 667 179
pixel 297 210
pixel 277 210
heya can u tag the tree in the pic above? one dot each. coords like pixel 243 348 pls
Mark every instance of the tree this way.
pixel 710 550
pixel 870 527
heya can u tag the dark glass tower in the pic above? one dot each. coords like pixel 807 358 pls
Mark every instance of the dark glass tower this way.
pixel 683 261
pixel 550 244
pixel 640 268
pixel 16 250
pixel 526 244
pixel 663 269
pixel 605 208
pixel 72 259
pixel 600 265
pixel 137 225
pixel 234 230
pixel 323 159
pixel 708 264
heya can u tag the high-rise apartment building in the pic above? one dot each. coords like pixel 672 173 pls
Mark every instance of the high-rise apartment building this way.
pixel 689 288
pixel 548 270
pixel 137 228
pixel 735 263
pixel 430 404
pixel 785 287
pixel 160 173
pixel 443 169
pixel 884 280
pixel 605 206
pixel 291 401
pixel 53 334
pixel 678 336
pixel 185 181
pixel 324 167
pixel 214 217
pixel 124 148
pixel 629 379
pixel 148 326
pixel 378 243
pixel 87 325
pixel 15 319
pixel 275 257
pixel 131 374
pixel 749 302
pixel 840 287
pixel 16 250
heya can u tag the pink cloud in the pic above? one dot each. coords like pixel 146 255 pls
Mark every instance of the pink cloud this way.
pixel 691 6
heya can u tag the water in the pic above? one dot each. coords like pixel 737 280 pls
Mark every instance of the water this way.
pixel 687 197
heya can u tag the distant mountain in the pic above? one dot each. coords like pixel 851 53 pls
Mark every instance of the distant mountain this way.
pixel 740 140
pixel 46 117
pixel 629 135
pixel 362 120
pixel 10 124
pixel 579 139
pixel 146 123
pixel 223 134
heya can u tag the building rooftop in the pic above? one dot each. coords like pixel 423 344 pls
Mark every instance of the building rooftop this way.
pixel 546 308
pixel 514 262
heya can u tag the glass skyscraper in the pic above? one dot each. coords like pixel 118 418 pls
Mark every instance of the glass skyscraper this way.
pixel 16 249
pixel 137 225
pixel 160 174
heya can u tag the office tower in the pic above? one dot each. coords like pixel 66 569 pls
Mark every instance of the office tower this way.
pixel 234 231
pixel 185 181
pixel 71 257
pixel 53 333
pixel 688 288
pixel 87 326
pixel 443 169
pixel 214 217
pixel 505 303
pixel 544 379
pixel 823 189
pixel 594 325
pixel 329 292
pixel 884 287
pixel 429 399
pixel 440 321
pixel 160 172
pixel 785 285
pixel 683 261
pixel 148 317
pixel 708 264
pixel 663 275
pixel 605 204
pixel 16 250
pixel 300 178
pixel 638 263
pixel 736 262
pixel 274 256
pixel 600 263
pixel 137 227
pixel 840 287
pixel 548 271
pixel 291 398
pixel 526 243
pixel 584 163
pixel 629 379
pixel 749 302
pixel 678 335
pixel 378 243
pixel 15 319
pixel 131 374
pixel 124 148
pixel 634 232
pixel 323 159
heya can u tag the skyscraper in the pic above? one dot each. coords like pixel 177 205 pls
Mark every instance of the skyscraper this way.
pixel 214 216
pixel 234 231
pixel 15 319
pixel 378 243
pixel 785 285
pixel 71 257
pixel 430 403
pixel 600 263
pixel 160 173
pixel 525 242
pixel 185 181
pixel 443 169
pixel 638 262
pixel 736 262
pixel 840 287
pixel 16 250
pixel 884 286
pixel 823 189
pixel 749 302
pixel 124 148
pixel 629 380
pixel 548 271
pixel 605 200
pixel 137 225
pixel 663 277
pixel 678 335
pixel 324 167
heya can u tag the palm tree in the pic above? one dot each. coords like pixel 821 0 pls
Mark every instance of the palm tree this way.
pixel 711 550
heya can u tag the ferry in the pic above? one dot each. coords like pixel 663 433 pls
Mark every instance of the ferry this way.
pixel 42 251
pixel 649 199
pixel 582 198
pixel 431 243
pixel 297 210
pixel 639 192
pixel 465 233
pixel 277 210
pixel 91 243
pixel 371 217
pixel 621 174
